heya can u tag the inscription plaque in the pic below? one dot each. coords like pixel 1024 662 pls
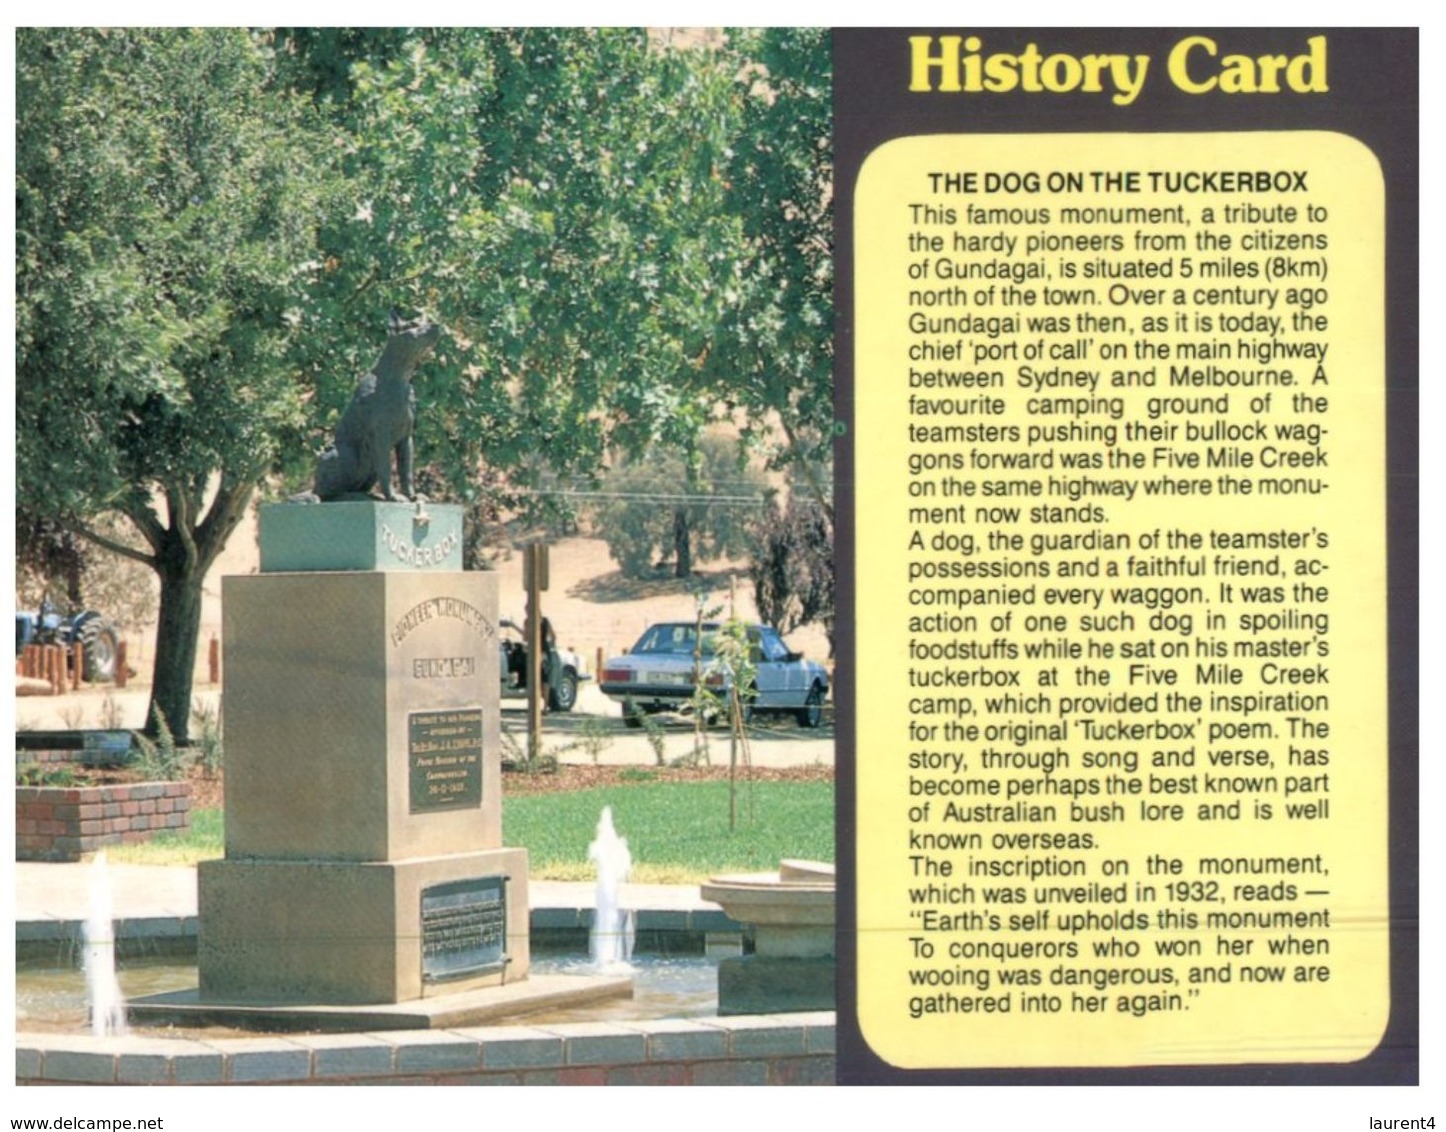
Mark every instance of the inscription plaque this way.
pixel 464 927
pixel 444 754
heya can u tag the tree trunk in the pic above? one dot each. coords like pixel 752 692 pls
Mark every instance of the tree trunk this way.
pixel 73 593
pixel 181 554
pixel 682 545
pixel 176 641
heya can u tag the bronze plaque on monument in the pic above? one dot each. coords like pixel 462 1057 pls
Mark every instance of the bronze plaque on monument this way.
pixel 444 754
pixel 464 927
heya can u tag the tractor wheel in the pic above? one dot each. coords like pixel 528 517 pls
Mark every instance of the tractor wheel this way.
pixel 101 645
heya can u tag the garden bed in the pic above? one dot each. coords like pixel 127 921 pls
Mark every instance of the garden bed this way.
pixel 569 777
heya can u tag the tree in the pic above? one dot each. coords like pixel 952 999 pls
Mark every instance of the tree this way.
pixel 55 561
pixel 556 198
pixel 49 558
pixel 792 567
pixel 212 224
pixel 774 355
pixel 657 505
pixel 168 194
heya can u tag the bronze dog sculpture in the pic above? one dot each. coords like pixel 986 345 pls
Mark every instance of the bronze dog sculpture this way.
pixel 377 424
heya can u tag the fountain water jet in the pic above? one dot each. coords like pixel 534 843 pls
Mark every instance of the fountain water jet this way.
pixel 103 993
pixel 611 940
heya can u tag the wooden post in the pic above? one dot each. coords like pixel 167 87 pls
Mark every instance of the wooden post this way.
pixel 55 668
pixel 215 661
pixel 534 569
pixel 121 674
pixel 735 721
pixel 77 660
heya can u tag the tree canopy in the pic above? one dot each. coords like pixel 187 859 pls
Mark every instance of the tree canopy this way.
pixel 624 240
pixel 557 198
pixel 167 202
pixel 775 356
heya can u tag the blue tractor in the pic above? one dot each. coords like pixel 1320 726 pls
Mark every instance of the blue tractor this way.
pixel 96 636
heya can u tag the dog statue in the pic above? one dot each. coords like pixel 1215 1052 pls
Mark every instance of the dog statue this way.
pixel 378 422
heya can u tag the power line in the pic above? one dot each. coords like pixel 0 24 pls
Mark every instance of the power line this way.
pixel 653 497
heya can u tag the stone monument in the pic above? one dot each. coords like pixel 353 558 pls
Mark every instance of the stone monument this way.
pixel 364 859
pixel 364 865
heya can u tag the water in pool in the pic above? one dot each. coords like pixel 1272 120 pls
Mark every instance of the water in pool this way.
pixel 51 995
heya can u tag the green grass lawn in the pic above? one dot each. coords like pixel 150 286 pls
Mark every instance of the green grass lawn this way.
pixel 677 832
pixel 206 839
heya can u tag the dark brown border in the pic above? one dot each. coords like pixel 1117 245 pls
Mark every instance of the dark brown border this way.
pixel 1374 98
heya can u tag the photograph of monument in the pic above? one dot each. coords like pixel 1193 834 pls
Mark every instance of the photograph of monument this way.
pixel 378 390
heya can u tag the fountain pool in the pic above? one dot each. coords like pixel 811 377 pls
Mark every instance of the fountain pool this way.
pixel 50 994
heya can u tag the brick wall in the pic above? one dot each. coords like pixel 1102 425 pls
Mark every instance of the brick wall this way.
pixel 778 1049
pixel 66 823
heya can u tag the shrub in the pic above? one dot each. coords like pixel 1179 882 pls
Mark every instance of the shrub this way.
pixel 160 759
pixel 210 751
pixel 792 567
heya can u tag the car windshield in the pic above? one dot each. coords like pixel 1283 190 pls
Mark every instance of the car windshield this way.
pixel 676 640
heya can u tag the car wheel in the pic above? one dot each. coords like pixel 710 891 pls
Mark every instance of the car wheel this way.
pixel 564 696
pixel 632 716
pixel 811 714
pixel 101 647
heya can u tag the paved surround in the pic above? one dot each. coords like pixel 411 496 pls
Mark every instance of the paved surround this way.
pixel 778 1049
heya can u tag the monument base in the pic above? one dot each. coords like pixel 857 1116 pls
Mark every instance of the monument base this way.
pixel 361 932
pixel 447 1011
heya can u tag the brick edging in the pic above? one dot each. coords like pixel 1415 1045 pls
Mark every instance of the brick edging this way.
pixel 65 823
pixel 781 1049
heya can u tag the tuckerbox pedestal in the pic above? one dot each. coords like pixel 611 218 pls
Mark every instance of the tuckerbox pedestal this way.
pixel 364 859
pixel 360 536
